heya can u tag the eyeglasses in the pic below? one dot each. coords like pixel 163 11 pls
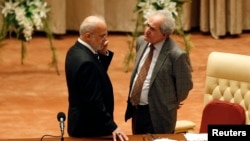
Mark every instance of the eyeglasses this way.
pixel 102 36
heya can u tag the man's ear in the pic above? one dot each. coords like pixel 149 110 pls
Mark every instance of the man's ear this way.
pixel 164 34
pixel 87 35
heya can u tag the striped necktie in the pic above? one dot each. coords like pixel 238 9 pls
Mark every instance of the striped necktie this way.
pixel 136 92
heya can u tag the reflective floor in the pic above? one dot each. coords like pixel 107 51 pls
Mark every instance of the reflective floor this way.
pixel 32 94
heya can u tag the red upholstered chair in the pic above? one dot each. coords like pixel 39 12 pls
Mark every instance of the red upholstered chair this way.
pixel 222 112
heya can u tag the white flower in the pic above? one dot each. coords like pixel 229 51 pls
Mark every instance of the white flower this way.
pixel 27 31
pixel 147 12
pixel 25 16
pixel 171 6
pixel 9 7
pixel 37 21
pixel 20 14
pixel 148 6
pixel 42 10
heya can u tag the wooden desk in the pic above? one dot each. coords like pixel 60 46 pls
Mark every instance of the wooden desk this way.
pixel 178 137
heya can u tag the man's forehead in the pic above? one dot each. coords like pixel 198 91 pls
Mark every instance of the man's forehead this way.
pixel 153 23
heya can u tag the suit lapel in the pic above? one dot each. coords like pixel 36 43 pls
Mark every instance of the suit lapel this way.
pixel 164 54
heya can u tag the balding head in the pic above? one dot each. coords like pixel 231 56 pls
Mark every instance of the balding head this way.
pixel 93 31
pixel 90 24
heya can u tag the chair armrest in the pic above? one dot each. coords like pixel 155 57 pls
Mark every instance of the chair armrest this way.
pixel 184 126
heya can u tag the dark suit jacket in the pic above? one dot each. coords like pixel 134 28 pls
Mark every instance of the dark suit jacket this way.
pixel 170 84
pixel 90 93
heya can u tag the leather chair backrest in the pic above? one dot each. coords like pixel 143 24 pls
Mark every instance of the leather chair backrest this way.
pixel 222 112
pixel 228 79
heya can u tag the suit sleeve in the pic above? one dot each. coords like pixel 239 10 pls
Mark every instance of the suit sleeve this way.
pixel 183 77
pixel 106 59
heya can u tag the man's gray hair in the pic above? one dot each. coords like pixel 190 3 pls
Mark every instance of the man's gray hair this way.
pixel 168 26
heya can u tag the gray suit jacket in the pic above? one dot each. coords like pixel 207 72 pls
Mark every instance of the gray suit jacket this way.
pixel 170 84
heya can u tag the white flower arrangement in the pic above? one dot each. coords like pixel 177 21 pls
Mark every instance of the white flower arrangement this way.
pixel 23 17
pixel 143 9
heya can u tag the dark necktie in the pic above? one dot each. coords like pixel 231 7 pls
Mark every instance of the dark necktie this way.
pixel 98 57
pixel 136 92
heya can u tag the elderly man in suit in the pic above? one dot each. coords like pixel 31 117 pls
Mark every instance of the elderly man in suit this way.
pixel 153 101
pixel 90 92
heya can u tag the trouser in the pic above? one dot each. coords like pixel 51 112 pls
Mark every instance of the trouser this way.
pixel 141 121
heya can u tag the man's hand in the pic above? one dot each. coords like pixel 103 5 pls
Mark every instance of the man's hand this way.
pixel 104 48
pixel 118 135
pixel 179 106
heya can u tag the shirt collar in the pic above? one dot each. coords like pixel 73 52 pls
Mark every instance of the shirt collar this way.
pixel 159 45
pixel 86 45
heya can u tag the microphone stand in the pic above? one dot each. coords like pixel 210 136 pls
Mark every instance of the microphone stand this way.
pixel 61 118
pixel 62 138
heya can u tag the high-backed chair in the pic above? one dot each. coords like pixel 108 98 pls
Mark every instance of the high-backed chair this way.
pixel 227 79
pixel 222 112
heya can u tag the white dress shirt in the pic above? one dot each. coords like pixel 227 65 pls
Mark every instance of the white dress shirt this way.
pixel 146 84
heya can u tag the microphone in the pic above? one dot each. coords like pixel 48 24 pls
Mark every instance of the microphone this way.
pixel 61 118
